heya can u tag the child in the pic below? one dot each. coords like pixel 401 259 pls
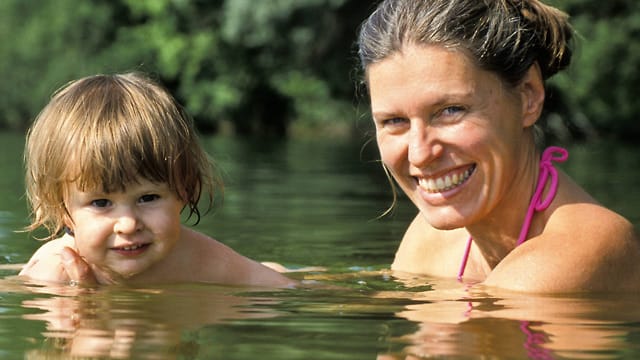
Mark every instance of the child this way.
pixel 111 163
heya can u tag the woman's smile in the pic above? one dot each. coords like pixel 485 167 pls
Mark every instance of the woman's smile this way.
pixel 445 182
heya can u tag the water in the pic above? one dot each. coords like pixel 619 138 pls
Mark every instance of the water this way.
pixel 313 203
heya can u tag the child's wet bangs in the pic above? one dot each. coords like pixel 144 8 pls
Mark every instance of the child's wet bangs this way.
pixel 110 166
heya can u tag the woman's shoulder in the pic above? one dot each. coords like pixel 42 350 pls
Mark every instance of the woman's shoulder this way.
pixel 584 247
pixel 426 250
pixel 590 227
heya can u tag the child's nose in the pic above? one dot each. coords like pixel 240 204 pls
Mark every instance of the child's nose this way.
pixel 127 222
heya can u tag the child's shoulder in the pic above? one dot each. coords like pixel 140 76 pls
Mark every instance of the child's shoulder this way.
pixel 211 252
pixel 45 263
pixel 53 247
pixel 219 263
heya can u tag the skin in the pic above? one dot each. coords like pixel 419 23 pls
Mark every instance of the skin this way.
pixel 437 114
pixel 136 237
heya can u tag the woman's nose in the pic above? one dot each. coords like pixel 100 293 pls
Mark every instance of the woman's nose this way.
pixel 423 145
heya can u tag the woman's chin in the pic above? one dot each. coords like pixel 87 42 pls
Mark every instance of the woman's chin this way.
pixel 442 219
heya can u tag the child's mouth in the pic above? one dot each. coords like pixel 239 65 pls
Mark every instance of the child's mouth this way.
pixel 133 249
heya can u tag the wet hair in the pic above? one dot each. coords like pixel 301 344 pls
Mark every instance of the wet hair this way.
pixel 502 36
pixel 105 132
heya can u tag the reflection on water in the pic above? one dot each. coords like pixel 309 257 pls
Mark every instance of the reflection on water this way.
pixel 353 315
pixel 122 323
pixel 313 204
pixel 522 325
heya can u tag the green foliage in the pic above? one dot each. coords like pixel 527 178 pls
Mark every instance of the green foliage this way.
pixel 261 65
pixel 602 83
pixel 42 46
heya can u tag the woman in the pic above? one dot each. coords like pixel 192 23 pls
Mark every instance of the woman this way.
pixel 456 88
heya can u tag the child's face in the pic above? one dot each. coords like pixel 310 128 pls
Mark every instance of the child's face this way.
pixel 125 233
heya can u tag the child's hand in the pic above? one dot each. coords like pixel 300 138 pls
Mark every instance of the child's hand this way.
pixel 78 271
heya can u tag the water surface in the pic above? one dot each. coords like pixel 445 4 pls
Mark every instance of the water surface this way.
pixel 313 203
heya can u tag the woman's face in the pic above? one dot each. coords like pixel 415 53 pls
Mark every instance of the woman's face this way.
pixel 450 133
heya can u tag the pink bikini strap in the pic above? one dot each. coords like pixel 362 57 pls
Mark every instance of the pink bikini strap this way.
pixel 465 258
pixel 546 170
pixel 552 153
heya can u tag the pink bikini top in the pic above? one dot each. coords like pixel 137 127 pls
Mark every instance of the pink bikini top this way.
pixel 537 204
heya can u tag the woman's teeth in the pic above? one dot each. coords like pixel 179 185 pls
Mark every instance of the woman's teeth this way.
pixel 447 182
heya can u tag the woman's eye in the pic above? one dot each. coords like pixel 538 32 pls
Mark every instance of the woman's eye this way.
pixel 452 110
pixel 393 122
pixel 100 203
pixel 149 197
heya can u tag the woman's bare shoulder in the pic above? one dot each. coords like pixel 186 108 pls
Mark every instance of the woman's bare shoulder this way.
pixel 426 250
pixel 584 247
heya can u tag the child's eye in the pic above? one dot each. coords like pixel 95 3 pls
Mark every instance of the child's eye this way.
pixel 100 203
pixel 148 198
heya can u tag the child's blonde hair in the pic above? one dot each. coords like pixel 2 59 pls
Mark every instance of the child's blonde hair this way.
pixel 105 132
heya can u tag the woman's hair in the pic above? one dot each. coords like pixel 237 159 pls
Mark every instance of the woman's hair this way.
pixel 105 132
pixel 502 36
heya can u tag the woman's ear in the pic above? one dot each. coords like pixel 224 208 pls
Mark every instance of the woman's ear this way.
pixel 531 89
